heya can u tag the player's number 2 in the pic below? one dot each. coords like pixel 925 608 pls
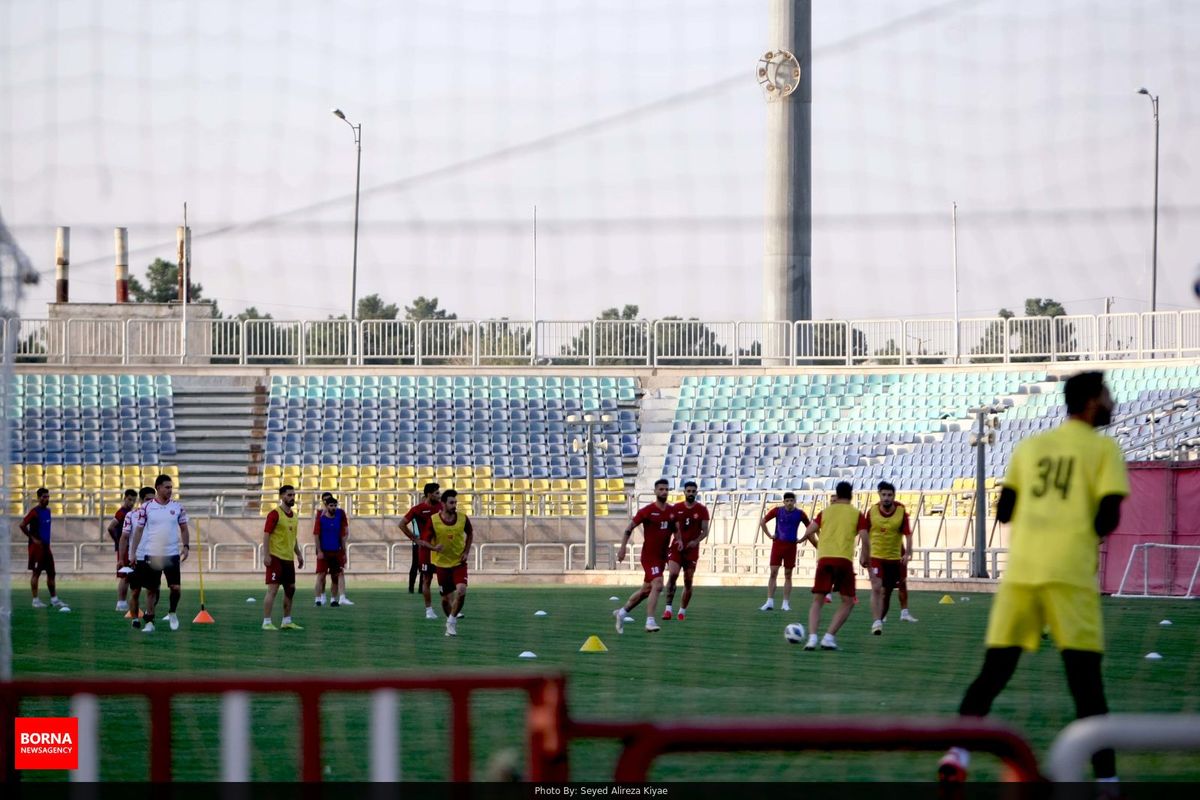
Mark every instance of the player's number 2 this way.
pixel 1054 473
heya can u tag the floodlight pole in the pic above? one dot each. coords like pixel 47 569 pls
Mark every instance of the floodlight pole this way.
pixel 587 444
pixel 357 183
pixel 980 441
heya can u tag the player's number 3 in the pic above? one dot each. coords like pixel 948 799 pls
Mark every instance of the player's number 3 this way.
pixel 1054 473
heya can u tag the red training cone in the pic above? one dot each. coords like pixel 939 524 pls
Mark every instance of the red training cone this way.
pixel 204 618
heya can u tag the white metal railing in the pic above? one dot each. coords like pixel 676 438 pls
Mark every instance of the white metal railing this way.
pixel 1083 738
pixel 673 342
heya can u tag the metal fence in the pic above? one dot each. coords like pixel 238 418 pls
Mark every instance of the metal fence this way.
pixel 608 342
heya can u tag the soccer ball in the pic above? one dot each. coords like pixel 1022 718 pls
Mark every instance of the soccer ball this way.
pixel 794 633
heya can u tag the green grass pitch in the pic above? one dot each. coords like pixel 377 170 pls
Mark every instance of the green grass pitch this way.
pixel 726 659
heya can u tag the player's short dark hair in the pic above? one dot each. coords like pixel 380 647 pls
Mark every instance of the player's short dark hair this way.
pixel 449 494
pixel 844 490
pixel 1080 388
pixel 430 488
pixel 41 491
pixel 691 485
pixel 326 496
pixel 131 492
pixel 789 495
pixel 287 487
pixel 161 479
pixel 884 486
pixel 145 492
pixel 662 481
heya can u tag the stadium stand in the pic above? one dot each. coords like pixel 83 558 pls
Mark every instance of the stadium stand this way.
pixel 809 431
pixel 497 439
pixel 86 435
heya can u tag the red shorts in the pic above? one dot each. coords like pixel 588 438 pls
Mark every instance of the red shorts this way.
pixel 834 574
pixel 450 577
pixel 889 572
pixel 652 568
pixel 41 559
pixel 281 572
pixel 783 553
pixel 332 562
pixel 687 558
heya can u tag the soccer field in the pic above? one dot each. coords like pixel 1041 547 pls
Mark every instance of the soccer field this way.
pixel 726 659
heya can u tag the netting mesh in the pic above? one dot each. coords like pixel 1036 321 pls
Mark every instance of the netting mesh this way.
pixel 639 132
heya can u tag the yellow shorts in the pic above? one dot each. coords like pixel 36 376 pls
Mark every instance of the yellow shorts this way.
pixel 1020 612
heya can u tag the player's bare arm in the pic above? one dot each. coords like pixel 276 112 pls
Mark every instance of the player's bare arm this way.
pixel 137 538
pixel 906 554
pixel 299 555
pixel 184 538
pixel 1108 516
pixel 406 529
pixel 266 549
pixel 864 544
pixel 810 534
pixel 114 528
pixel 703 533
pixel 624 548
pixel 762 524
pixel 467 545
pixel 28 533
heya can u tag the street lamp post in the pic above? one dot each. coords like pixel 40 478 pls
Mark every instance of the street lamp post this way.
pixel 985 418
pixel 1154 252
pixel 337 112
pixel 588 445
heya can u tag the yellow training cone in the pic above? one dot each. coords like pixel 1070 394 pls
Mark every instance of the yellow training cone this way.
pixel 946 600
pixel 593 645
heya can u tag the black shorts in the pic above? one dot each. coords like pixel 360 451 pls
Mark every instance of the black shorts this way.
pixel 150 571
pixel 426 569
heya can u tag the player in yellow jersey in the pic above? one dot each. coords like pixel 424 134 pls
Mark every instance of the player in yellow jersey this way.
pixel 1062 495
pixel 891 547
pixel 279 546
pixel 450 541
pixel 833 532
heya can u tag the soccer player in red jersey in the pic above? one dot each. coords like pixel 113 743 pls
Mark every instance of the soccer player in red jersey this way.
pixel 838 526
pixel 788 522
pixel 331 528
pixel 658 524
pixel 115 525
pixel 421 515
pixel 36 527
pixel 691 528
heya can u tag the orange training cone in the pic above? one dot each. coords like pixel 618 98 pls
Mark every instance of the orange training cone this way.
pixel 203 618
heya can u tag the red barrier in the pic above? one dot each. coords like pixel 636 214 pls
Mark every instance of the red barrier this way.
pixel 644 742
pixel 546 718
pixel 1163 508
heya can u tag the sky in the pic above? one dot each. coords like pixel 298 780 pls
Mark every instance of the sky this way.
pixel 636 128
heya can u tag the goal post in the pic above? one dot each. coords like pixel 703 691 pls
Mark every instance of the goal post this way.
pixel 1161 571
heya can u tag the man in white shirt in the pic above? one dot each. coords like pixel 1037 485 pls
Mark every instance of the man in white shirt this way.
pixel 125 546
pixel 160 543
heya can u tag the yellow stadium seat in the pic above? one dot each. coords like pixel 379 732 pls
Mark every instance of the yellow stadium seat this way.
pixel 289 473
pixel 615 485
pixel 272 483
pixel 502 485
pixel 601 509
pixel 578 485
pixel 521 484
pixel 424 474
pixel 576 511
pixel 483 484
pixel 386 484
pixel 310 483
pixel 348 471
pixel 407 484
pixel 387 471
pixel 347 484
pixel 173 471
pixel 16 508
pixel 72 470
pixel 406 472
pixel 92 483
pixel 444 473
pixel 93 470
pixel 502 510
pixel 73 482
pixel 329 472
pixel 366 484
pixel 483 472
pixel 366 509
pixel 560 485
pixel 272 471
pixel 464 484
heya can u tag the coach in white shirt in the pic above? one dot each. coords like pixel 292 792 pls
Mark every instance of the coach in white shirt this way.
pixel 160 542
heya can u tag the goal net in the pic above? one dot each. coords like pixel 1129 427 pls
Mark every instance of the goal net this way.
pixel 1161 570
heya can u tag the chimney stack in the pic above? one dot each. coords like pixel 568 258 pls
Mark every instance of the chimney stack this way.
pixel 62 265
pixel 121 245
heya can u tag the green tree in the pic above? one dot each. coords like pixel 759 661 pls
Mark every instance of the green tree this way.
pixel 387 344
pixel 424 308
pixel 888 354
pixel 1035 339
pixel 615 344
pixel 992 341
pixel 826 341
pixel 162 285
pixel 374 307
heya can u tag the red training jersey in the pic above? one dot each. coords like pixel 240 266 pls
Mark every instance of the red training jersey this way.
pixel 657 526
pixel 688 519
pixel 423 513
